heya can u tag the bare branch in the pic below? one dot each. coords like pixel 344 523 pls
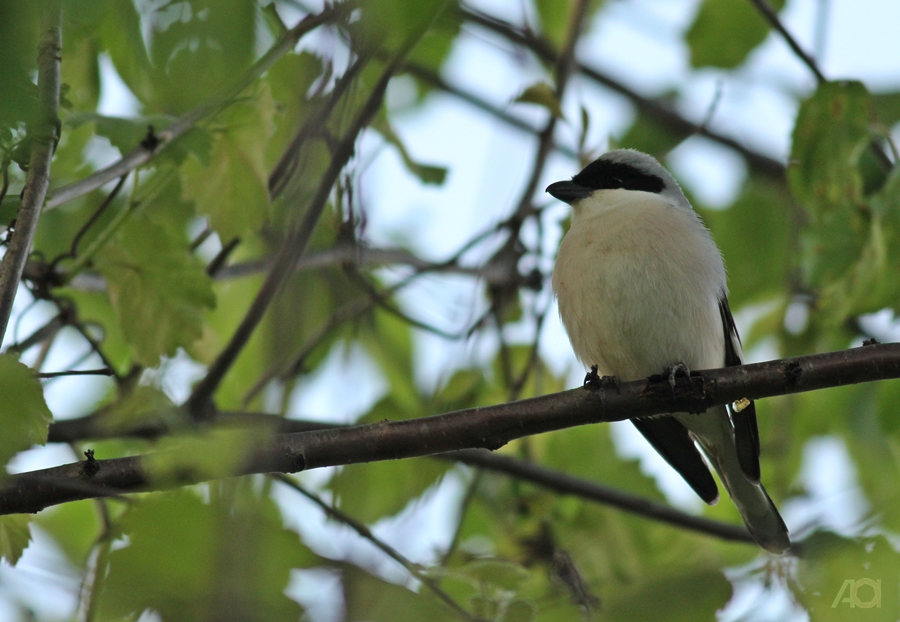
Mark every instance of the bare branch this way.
pixel 42 137
pixel 488 427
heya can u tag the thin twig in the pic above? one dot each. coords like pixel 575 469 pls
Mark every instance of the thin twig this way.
pixel 42 137
pixel 429 76
pixel 659 111
pixel 772 17
pixel 570 485
pixel 365 532
pixel 103 371
pixel 73 250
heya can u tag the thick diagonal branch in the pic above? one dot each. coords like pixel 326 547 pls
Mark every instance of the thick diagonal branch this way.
pixel 486 427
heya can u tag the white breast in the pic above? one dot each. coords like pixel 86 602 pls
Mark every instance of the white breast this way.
pixel 638 281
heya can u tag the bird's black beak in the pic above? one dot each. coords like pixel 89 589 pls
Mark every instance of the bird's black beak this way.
pixel 569 191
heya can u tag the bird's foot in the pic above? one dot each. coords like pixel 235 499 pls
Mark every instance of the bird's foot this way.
pixel 593 380
pixel 673 372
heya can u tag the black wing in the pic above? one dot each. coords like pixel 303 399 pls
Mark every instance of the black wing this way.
pixel 746 433
pixel 672 441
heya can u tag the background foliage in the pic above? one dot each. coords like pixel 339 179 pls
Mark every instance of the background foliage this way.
pixel 144 279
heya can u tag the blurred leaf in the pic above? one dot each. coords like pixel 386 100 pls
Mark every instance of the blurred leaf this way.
pixel 122 38
pixel 434 47
pixel 96 310
pixel 142 405
pixel 754 237
pixel 15 536
pixel 74 526
pixel 554 18
pixel 887 105
pixel 388 340
pixel 389 24
pixel 157 289
pixel 650 135
pixel 189 560
pixel 233 188
pixel 687 596
pixel 832 131
pixel 18 49
pixel 24 416
pixel 290 81
pixel 725 32
pixel 543 95
pixel 372 491
pixel 211 454
pixel 830 561
pixel 427 173
pixel 369 599
pixel 217 35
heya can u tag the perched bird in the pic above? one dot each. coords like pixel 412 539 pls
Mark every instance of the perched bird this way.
pixel 642 291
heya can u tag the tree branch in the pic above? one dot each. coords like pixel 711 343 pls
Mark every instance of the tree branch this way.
pixel 85 428
pixel 569 485
pixel 487 427
pixel 42 138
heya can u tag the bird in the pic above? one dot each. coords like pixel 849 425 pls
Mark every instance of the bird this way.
pixel 642 290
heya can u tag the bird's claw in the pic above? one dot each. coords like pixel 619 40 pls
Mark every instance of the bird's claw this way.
pixel 672 373
pixel 593 381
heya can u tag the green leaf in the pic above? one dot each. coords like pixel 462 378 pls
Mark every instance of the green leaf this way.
pixel 74 526
pixel 427 173
pixel 831 133
pixel 754 237
pixel 369 599
pixel 122 38
pixel 369 492
pixel 887 105
pixel 15 536
pixel 189 560
pixel 689 595
pixel 389 24
pixel 95 309
pixel 725 32
pixel 18 49
pixel 388 340
pixel 24 416
pixel 213 454
pixel 157 288
pixel 650 135
pixel 543 95
pixel 232 189
pixel 829 562
pixel 218 36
